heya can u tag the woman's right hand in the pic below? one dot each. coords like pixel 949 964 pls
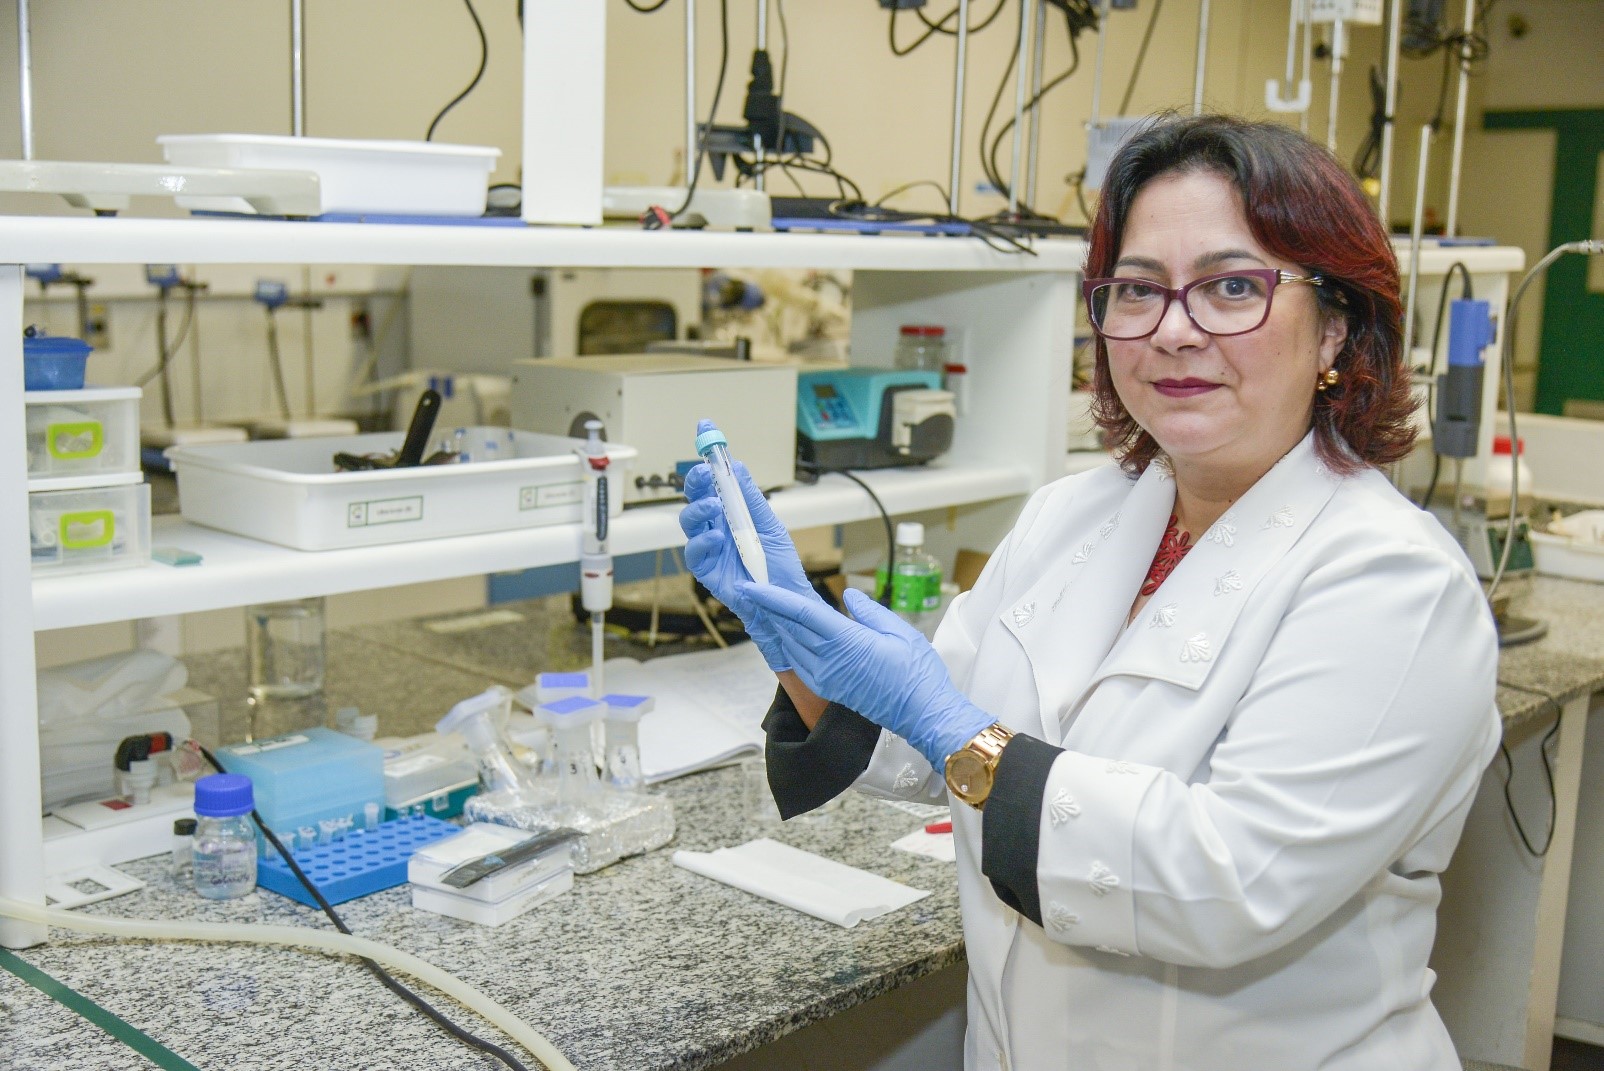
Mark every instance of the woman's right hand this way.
pixel 711 556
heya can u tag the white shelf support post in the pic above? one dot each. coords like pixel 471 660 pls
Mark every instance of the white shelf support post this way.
pixel 21 841
pixel 565 94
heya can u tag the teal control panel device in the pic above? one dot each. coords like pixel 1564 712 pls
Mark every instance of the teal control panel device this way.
pixel 863 418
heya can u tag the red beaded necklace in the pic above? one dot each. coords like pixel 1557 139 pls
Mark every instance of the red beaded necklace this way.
pixel 1171 549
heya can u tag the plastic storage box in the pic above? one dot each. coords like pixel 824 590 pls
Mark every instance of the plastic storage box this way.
pixel 83 523
pixel 418 178
pixel 309 778
pixel 51 363
pixel 287 492
pixel 82 432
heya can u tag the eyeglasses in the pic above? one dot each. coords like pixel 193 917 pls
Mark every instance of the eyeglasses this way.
pixel 1231 303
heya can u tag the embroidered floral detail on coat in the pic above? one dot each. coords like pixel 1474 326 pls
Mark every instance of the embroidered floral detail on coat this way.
pixel 1196 649
pixel 1163 617
pixel 1281 518
pixel 1230 581
pixel 1119 766
pixel 1222 531
pixel 906 779
pixel 1061 918
pixel 1063 808
pixel 1023 613
pixel 1083 553
pixel 1102 880
pixel 1108 527
pixel 1113 951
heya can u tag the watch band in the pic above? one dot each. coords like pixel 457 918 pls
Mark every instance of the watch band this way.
pixel 970 769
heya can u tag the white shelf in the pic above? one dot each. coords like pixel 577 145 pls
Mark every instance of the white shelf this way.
pixel 69 240
pixel 237 571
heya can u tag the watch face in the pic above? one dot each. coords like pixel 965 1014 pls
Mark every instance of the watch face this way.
pixel 968 775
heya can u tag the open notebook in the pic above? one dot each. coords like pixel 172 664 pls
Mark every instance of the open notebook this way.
pixel 709 709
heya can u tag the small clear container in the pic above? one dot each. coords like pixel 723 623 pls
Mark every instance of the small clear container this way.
pixel 106 526
pixel 82 432
pixel 922 347
pixel 224 848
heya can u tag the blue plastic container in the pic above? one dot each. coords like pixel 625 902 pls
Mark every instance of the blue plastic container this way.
pixel 309 777
pixel 51 363
pixel 360 863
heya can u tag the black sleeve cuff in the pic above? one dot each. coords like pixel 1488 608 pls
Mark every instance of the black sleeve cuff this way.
pixel 1010 827
pixel 807 769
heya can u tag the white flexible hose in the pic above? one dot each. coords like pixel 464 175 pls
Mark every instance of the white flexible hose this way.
pixel 295 936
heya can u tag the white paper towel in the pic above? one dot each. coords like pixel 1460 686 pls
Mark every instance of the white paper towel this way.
pixel 809 883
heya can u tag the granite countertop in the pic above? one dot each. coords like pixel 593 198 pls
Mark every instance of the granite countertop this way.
pixel 1567 662
pixel 642 965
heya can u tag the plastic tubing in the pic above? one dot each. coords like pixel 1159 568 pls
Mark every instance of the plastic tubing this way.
pixel 298 937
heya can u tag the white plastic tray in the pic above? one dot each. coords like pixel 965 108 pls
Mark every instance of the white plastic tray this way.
pixel 1576 551
pixel 422 178
pixel 286 491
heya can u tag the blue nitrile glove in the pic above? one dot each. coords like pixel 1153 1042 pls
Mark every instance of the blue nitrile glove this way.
pixel 711 556
pixel 878 665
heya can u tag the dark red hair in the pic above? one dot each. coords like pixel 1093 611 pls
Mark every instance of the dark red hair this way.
pixel 1303 207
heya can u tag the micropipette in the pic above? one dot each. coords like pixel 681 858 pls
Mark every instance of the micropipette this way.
pixel 595 559
pixel 714 448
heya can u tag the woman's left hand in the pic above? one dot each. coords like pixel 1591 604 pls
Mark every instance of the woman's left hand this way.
pixel 878 665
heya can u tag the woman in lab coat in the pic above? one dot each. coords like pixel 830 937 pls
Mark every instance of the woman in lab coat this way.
pixel 1211 720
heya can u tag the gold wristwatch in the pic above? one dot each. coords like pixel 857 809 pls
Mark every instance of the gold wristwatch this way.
pixel 971 768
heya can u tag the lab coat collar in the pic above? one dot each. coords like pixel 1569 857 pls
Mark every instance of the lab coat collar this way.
pixel 1071 622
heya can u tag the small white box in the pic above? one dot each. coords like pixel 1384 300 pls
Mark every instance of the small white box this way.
pixel 417 178
pixel 287 492
pixel 431 862
pixel 89 523
pixel 92 432
pixel 460 907
pixel 652 401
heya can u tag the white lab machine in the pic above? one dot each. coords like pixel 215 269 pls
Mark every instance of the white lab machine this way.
pixel 652 402
pixel 543 312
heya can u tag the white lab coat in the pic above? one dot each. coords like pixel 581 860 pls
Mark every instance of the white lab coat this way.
pixel 1264 775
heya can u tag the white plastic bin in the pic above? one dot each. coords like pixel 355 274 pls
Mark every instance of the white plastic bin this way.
pixel 286 491
pixel 93 432
pixel 420 178
pixel 94 526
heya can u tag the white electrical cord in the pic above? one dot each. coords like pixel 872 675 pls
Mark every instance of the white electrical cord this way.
pixel 297 937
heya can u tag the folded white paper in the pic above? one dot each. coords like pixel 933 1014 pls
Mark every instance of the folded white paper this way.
pixel 801 880
pixel 934 845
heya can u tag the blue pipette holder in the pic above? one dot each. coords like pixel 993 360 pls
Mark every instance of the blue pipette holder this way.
pixel 367 861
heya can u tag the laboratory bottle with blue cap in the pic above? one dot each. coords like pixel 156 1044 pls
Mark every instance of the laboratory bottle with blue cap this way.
pixel 714 449
pixel 224 848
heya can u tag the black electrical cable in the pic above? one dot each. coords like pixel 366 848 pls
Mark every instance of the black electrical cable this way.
pixel 1141 54
pixel 938 187
pixel 384 976
pixel 1548 772
pixel 991 157
pixel 166 351
pixel 276 365
pixel 882 597
pixel 933 29
pixel 712 111
pixel 647 9
pixel 484 57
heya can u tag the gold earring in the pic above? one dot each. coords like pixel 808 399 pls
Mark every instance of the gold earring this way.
pixel 1326 379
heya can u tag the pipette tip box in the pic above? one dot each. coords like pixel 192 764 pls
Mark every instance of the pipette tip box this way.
pixel 360 863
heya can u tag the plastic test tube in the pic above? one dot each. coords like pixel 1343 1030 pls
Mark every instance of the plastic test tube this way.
pixel 714 448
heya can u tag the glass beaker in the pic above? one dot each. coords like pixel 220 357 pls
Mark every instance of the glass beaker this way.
pixel 285 655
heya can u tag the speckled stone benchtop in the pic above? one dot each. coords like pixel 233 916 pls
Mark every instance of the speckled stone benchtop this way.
pixel 641 966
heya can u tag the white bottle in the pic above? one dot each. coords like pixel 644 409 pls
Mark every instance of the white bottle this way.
pixel 1504 463
pixel 915 580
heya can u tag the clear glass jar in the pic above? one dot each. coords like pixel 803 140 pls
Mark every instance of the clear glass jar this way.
pixel 224 846
pixel 921 346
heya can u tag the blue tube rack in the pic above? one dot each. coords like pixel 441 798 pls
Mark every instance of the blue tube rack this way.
pixel 363 862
